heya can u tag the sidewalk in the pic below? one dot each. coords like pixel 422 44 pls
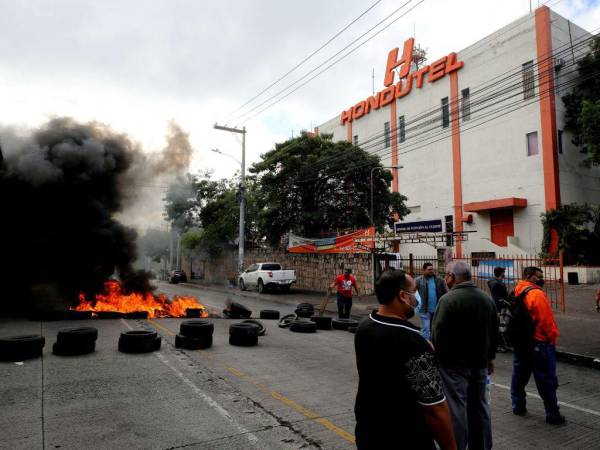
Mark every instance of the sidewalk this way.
pixel 579 341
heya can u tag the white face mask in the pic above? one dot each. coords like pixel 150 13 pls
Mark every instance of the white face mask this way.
pixel 419 301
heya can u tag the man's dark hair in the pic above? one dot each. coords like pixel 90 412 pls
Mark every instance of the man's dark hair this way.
pixel 531 271
pixel 389 284
pixel 499 271
pixel 426 265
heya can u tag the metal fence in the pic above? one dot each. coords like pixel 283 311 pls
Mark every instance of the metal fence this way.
pixel 482 270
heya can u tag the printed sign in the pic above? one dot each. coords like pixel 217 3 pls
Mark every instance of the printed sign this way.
pixel 339 244
pixel 425 226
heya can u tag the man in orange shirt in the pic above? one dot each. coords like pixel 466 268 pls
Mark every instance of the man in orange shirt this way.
pixel 538 358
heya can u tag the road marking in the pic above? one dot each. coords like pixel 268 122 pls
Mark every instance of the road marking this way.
pixel 280 397
pixel 160 327
pixel 565 404
pixel 208 399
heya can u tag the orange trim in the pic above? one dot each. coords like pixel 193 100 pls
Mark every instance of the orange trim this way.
pixel 511 202
pixel 349 131
pixel 543 36
pixel 394 138
pixel 456 162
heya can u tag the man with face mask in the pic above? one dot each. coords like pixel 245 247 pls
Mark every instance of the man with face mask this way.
pixel 400 401
pixel 540 357
pixel 465 337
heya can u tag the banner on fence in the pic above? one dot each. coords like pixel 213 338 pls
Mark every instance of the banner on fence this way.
pixel 338 244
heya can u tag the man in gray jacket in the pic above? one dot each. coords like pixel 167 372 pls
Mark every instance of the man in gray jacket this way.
pixel 465 337
pixel 430 288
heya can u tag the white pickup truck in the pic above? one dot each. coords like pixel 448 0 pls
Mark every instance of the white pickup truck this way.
pixel 266 275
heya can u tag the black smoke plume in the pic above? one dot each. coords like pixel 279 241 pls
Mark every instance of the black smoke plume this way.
pixel 60 188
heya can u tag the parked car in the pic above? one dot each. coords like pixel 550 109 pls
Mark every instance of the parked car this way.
pixel 177 276
pixel 263 276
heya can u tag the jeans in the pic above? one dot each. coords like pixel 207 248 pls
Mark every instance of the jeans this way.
pixel 541 361
pixel 344 305
pixel 426 319
pixel 465 391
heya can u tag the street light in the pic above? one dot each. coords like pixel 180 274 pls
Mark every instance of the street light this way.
pixel 216 150
pixel 372 217
pixel 242 188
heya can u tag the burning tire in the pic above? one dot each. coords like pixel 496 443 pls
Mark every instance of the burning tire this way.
pixel 193 312
pixel 302 326
pixel 323 322
pixel 137 315
pixel 19 348
pixel 269 314
pixel 286 320
pixel 196 328
pixel 343 324
pixel 244 330
pixel 193 343
pixel 261 328
pixel 73 349
pixel 139 341
pixel 243 341
pixel 109 315
pixel 72 314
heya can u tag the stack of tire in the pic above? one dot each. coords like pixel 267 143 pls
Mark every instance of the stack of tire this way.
pixel 75 341
pixel 195 335
pixel 345 324
pixel 139 341
pixel 20 348
pixel 305 310
pixel 246 333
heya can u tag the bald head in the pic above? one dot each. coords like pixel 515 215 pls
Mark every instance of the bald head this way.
pixel 460 270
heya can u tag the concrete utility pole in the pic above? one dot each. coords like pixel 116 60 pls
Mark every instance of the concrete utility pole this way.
pixel 242 191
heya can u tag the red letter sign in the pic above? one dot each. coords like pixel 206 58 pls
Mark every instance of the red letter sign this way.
pixel 394 62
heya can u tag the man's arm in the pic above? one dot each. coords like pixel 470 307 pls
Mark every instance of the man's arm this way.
pixel 437 418
pixel 356 288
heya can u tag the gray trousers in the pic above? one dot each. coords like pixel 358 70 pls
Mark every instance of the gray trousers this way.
pixel 471 419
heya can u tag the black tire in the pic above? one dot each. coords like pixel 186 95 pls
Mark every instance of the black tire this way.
pixel 71 314
pixel 323 322
pixel 242 285
pixel 109 315
pixel 302 326
pixel 305 310
pixel 19 348
pixel 260 286
pixel 286 320
pixel 286 288
pixel 352 329
pixel 76 336
pixel 196 328
pixel 193 343
pixel 269 314
pixel 139 341
pixel 243 330
pixel 73 349
pixel 261 328
pixel 343 324
pixel 243 341
pixel 193 312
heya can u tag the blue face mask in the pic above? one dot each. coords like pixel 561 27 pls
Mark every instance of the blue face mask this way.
pixel 418 297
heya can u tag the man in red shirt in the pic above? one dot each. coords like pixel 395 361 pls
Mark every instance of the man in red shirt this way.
pixel 344 282
pixel 538 358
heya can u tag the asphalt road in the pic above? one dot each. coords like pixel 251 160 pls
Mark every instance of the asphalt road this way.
pixel 291 391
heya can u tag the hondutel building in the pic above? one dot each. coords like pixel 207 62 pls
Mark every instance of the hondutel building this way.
pixel 479 134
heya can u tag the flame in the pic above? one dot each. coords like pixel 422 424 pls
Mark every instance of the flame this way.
pixel 113 299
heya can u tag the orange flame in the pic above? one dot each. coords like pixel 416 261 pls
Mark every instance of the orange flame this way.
pixel 157 306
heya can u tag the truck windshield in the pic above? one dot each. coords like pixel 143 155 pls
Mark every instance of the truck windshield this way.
pixel 271 267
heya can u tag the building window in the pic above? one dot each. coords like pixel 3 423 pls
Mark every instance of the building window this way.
pixel 528 80
pixel 355 140
pixel 466 104
pixel 445 113
pixel 560 147
pixel 401 129
pixel 386 134
pixel 532 144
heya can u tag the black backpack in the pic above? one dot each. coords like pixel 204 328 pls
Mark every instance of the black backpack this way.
pixel 517 321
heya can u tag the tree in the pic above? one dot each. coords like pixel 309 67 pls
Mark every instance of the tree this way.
pixel 583 106
pixel 311 185
pixel 578 228
pixel 181 204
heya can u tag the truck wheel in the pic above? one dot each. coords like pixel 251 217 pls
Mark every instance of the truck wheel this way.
pixel 286 288
pixel 242 285
pixel 261 286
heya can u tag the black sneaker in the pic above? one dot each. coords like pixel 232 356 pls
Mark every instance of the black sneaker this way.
pixel 555 420
pixel 520 411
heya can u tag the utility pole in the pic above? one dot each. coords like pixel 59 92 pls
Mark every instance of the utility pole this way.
pixel 242 192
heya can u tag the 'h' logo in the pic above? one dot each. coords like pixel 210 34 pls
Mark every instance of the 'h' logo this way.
pixel 393 62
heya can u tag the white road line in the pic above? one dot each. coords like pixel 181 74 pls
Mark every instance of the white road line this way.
pixel 567 405
pixel 209 400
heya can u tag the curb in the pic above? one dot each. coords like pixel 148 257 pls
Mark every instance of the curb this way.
pixel 578 360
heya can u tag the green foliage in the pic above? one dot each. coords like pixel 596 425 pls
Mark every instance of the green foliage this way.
pixel 578 228
pixel 181 207
pixel 154 244
pixel 312 185
pixel 583 106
